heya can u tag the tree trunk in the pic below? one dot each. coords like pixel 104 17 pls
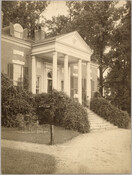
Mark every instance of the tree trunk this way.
pixel 51 134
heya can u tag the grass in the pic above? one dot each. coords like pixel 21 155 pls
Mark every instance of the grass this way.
pixel 23 162
pixel 61 135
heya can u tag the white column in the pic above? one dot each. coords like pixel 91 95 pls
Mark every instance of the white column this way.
pixel 80 81
pixel 54 70
pixel 69 81
pixel 58 81
pixel 88 81
pixel 44 78
pixel 33 80
pixel 66 74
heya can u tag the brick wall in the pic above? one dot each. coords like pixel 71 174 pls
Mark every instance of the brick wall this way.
pixel 12 50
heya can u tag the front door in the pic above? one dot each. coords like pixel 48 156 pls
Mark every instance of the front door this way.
pixel 49 86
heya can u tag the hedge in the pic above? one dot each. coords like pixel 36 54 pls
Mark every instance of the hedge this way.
pixel 110 113
pixel 58 109
pixel 16 101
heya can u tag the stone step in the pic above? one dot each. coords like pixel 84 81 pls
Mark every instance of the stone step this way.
pixel 103 124
pixel 97 122
pixel 106 126
pixel 96 129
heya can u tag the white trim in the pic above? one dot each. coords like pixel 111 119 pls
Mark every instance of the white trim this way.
pixel 75 74
pixel 75 67
pixel 18 62
pixel 78 37
pixel 15 41
pixel 70 46
pixel 17 52
pixel 76 53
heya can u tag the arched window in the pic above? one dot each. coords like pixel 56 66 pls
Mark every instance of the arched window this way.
pixel 49 75
pixel 18 31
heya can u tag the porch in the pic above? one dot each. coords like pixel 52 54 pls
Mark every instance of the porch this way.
pixel 59 60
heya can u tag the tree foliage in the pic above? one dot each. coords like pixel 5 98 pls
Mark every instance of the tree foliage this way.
pixel 118 81
pixel 25 13
pixel 15 101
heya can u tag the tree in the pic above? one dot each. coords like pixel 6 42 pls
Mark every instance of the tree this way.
pixel 94 22
pixel 26 13
pixel 118 81
pixel 56 25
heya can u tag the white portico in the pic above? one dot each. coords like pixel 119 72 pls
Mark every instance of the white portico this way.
pixel 52 60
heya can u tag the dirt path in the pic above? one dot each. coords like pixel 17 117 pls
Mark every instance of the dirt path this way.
pixel 97 152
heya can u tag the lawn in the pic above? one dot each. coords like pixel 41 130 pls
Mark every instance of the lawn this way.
pixel 61 135
pixel 22 162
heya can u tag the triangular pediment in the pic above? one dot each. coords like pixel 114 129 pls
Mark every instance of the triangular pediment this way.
pixel 74 40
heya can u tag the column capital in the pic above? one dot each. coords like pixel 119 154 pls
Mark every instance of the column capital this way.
pixel 66 55
pixel 33 56
pixel 54 53
pixel 79 61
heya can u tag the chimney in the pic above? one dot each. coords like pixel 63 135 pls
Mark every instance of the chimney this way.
pixel 39 33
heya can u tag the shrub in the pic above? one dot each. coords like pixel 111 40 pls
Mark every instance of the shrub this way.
pixel 97 94
pixel 26 122
pixel 112 114
pixel 63 111
pixel 15 100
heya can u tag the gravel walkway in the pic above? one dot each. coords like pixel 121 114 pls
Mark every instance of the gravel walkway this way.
pixel 102 151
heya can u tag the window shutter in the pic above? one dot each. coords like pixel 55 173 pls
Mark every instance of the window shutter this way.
pixel 10 71
pixel 25 34
pixel 26 83
pixel 25 71
pixel 11 29
pixel 72 80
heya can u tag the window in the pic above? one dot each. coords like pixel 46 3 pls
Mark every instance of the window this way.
pixel 16 74
pixel 74 86
pixel 49 78
pixel 38 81
pixel 83 91
pixel 62 85
pixel 18 31
pixel 50 75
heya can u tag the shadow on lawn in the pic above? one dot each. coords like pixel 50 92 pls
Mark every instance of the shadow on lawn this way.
pixel 22 162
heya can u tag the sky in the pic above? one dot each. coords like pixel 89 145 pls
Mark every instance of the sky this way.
pixel 56 8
